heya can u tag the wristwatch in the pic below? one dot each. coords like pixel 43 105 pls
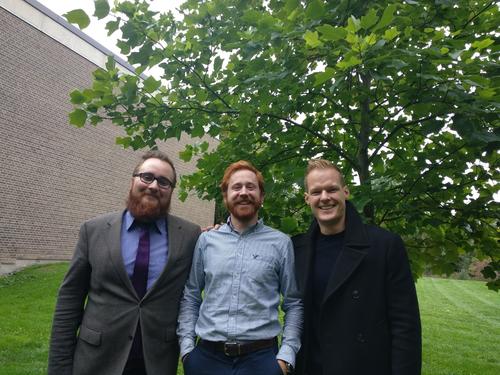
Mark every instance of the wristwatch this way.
pixel 289 368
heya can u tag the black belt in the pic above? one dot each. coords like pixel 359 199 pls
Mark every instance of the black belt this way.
pixel 234 349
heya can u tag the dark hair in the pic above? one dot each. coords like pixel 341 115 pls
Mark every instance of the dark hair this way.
pixel 239 165
pixel 156 154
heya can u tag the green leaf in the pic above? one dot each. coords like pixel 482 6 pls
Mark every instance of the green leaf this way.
pixel 187 154
pixel 101 9
pixel 79 17
pixel 151 84
pixel 123 46
pixel 481 44
pixel 322 77
pixel 251 17
pixel 110 63
pixel 331 33
pixel 387 17
pixel 288 224
pixel 486 93
pixel 312 39
pixel 112 26
pixel 349 62
pixel 124 141
pixel 197 131
pixel 315 10
pixel 78 117
pixel 204 146
pixel 391 33
pixel 369 19
pixel 77 97
pixel 353 24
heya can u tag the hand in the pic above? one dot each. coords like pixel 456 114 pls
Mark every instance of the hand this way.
pixel 283 366
pixel 211 227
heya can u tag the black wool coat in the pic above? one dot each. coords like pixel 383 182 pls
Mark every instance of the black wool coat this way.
pixel 369 318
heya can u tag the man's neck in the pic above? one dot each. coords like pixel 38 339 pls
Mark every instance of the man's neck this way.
pixel 241 225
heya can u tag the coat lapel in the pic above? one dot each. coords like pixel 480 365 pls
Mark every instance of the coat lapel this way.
pixel 113 241
pixel 355 248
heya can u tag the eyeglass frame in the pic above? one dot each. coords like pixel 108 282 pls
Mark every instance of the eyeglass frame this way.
pixel 170 184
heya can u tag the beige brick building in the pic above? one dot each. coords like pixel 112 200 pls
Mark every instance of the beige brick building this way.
pixel 54 176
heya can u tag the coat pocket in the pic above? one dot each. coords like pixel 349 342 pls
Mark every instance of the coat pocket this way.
pixel 90 336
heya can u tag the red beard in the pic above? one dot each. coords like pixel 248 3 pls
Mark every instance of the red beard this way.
pixel 243 213
pixel 146 207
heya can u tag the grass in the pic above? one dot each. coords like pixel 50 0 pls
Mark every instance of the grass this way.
pixel 460 327
pixel 460 319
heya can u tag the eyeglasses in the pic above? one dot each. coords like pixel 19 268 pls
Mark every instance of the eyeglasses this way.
pixel 148 178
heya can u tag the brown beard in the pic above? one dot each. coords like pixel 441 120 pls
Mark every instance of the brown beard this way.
pixel 146 209
pixel 233 209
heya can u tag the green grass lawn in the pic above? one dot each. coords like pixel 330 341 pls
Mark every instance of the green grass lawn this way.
pixel 461 323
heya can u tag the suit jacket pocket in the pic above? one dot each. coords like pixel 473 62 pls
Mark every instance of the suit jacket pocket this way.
pixel 90 336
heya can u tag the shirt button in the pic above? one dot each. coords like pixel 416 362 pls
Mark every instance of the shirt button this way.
pixel 355 294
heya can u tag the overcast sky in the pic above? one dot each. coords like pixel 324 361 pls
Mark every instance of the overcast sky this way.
pixel 96 30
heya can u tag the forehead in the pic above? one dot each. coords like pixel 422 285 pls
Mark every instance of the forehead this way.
pixel 320 177
pixel 243 176
pixel 158 167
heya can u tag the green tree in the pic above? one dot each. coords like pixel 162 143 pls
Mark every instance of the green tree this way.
pixel 402 95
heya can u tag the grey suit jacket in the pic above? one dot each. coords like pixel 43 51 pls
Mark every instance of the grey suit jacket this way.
pixel 98 310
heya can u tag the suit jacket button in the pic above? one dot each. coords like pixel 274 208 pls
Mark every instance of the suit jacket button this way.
pixel 360 337
pixel 355 294
pixel 130 337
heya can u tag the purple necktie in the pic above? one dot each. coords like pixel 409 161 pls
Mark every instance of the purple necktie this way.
pixel 140 276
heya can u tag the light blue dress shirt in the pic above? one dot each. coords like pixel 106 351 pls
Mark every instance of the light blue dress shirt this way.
pixel 158 246
pixel 242 276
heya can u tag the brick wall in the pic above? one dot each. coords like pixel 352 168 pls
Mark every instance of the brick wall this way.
pixel 54 176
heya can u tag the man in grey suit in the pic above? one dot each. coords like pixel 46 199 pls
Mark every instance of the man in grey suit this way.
pixel 117 307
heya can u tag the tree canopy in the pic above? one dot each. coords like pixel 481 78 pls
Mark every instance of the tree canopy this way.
pixel 402 95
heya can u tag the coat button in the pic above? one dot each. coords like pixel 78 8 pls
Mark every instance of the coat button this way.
pixel 130 337
pixel 360 337
pixel 355 294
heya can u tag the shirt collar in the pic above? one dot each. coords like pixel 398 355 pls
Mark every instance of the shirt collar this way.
pixel 251 228
pixel 159 225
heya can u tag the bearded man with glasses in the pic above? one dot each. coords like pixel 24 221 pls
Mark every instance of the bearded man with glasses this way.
pixel 117 307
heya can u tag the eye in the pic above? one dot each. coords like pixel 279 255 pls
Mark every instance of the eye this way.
pixel 163 181
pixel 147 177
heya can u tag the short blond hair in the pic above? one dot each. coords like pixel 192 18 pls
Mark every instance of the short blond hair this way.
pixel 321 164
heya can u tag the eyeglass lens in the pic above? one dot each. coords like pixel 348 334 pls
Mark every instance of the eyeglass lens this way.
pixel 148 178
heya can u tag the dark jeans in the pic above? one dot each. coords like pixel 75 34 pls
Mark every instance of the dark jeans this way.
pixel 203 361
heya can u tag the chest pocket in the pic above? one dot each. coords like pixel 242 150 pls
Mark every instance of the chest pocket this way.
pixel 260 268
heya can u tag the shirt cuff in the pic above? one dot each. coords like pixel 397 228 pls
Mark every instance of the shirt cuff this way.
pixel 286 354
pixel 186 346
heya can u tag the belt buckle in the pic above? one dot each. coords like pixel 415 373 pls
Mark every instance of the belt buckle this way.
pixel 232 349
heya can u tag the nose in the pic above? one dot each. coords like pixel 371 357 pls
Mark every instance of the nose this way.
pixel 153 185
pixel 243 191
pixel 324 195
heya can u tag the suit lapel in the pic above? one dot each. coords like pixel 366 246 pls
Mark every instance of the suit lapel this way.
pixel 175 239
pixel 113 242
